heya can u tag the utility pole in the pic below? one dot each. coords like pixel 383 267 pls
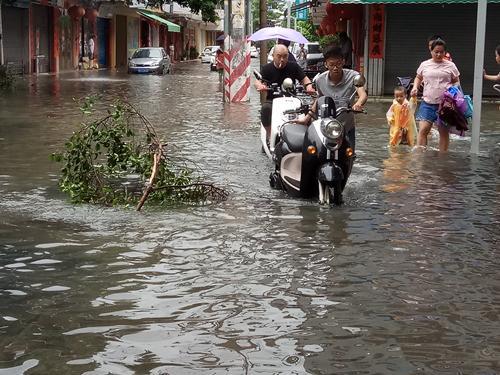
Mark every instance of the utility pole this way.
pixel 263 23
pixel 482 6
pixel 263 43
pixel 288 11
pixel 1 36
pixel 248 20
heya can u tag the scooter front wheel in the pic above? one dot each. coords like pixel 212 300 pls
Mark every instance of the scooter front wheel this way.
pixel 334 194
pixel 275 181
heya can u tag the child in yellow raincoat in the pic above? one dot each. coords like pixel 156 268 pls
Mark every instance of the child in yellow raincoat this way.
pixel 401 119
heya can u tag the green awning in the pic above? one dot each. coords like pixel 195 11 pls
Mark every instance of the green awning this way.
pixel 170 25
pixel 408 1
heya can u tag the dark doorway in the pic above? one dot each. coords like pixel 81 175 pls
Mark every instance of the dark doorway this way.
pixel 121 41
pixel 103 41
pixel 144 34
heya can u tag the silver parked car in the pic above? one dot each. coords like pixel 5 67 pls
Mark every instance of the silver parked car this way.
pixel 149 60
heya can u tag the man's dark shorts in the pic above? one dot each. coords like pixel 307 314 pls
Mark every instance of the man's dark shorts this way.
pixel 266 111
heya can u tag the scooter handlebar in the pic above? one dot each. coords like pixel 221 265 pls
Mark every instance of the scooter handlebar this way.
pixel 302 109
pixel 347 110
pixel 362 111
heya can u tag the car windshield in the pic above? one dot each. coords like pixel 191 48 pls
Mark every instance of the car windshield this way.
pixel 313 48
pixel 141 53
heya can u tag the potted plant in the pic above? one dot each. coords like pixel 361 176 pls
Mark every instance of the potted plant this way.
pixel 328 40
pixel 65 21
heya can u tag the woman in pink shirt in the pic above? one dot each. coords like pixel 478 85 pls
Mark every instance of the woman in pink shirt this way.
pixel 437 75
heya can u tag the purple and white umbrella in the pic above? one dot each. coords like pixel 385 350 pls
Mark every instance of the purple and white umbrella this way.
pixel 278 32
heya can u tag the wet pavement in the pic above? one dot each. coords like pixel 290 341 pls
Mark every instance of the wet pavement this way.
pixel 401 279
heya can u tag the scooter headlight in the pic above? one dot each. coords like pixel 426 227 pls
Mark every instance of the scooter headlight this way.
pixel 332 129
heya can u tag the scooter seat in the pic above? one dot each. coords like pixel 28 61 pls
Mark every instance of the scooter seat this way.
pixel 293 136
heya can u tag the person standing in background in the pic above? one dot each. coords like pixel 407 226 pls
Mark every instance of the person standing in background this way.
pixel 91 46
pixel 496 77
pixel 171 52
pixel 302 56
pixel 346 48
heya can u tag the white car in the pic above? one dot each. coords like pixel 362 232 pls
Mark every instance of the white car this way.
pixel 208 52
pixel 254 52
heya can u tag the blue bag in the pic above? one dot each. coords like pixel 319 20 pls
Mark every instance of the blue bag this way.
pixel 469 110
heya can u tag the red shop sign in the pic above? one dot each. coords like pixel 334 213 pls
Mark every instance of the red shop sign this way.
pixel 376 31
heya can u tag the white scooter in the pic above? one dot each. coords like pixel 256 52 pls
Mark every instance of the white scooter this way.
pixel 287 98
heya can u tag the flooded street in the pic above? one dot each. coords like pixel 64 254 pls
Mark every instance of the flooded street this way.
pixel 401 279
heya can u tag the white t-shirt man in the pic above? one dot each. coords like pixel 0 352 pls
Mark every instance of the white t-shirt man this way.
pixel 91 48
pixel 172 49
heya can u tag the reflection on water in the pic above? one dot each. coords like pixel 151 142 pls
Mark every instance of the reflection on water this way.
pixel 397 170
pixel 401 279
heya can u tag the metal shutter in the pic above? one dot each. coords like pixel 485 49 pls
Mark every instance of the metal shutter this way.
pixel 409 26
pixel 15 37
pixel 41 33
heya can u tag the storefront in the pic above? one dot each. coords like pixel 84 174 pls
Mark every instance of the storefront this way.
pixel 456 23
pixel 15 25
pixel 41 31
pixel 157 29
pixel 133 27
pixel 103 41
pixel 397 32
pixel 68 34
pixel 117 29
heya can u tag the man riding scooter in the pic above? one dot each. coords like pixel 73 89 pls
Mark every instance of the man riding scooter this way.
pixel 275 72
pixel 336 83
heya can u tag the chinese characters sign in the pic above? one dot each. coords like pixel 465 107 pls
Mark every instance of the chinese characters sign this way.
pixel 376 31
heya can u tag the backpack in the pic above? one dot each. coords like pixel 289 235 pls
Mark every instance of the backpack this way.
pixel 450 114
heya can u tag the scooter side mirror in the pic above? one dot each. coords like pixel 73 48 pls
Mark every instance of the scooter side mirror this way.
pixel 287 84
pixel 359 81
pixel 257 75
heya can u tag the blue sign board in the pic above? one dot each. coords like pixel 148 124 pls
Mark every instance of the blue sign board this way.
pixel 302 14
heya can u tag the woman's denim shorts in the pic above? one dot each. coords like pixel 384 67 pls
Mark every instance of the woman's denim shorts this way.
pixel 427 112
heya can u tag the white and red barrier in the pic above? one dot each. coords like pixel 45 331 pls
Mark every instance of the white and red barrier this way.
pixel 236 70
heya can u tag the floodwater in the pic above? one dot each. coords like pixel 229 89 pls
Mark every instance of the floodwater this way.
pixel 401 279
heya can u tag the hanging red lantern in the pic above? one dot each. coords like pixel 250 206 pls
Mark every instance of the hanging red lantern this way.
pixel 91 14
pixel 76 11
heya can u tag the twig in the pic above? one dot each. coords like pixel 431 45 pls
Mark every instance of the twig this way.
pixel 149 188
pixel 210 189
